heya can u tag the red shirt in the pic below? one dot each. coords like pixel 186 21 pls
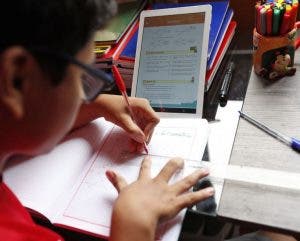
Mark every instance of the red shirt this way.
pixel 16 223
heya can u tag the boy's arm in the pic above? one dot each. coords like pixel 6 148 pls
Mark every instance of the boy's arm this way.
pixel 126 228
pixel 88 113
pixel 114 109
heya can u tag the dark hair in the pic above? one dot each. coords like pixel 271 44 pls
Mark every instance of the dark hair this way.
pixel 59 25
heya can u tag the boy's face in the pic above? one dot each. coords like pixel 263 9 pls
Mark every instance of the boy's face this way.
pixel 42 113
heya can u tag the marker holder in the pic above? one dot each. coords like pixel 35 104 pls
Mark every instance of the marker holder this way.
pixel 273 56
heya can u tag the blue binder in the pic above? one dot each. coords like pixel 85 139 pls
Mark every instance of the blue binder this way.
pixel 219 10
pixel 220 36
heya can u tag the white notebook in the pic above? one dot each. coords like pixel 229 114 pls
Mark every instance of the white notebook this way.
pixel 68 185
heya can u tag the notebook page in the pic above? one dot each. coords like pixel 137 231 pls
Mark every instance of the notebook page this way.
pixel 91 203
pixel 39 181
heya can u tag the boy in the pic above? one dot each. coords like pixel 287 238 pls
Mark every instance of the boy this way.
pixel 46 48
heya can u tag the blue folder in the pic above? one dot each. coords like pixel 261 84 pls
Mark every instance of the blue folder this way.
pixel 130 49
pixel 220 36
pixel 219 10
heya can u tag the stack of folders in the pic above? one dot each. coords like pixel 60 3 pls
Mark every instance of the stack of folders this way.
pixel 109 40
pixel 276 17
pixel 221 32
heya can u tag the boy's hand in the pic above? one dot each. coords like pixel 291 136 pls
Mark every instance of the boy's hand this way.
pixel 115 110
pixel 148 200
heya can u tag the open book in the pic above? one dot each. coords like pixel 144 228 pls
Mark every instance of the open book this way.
pixel 68 185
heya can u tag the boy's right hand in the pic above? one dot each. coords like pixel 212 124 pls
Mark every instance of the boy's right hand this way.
pixel 145 202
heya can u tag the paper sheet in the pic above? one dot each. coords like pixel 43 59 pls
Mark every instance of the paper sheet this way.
pixel 222 133
pixel 92 201
pixel 39 181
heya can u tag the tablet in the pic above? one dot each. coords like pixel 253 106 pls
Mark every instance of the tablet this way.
pixel 171 59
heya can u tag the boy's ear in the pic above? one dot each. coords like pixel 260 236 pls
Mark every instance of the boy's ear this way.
pixel 12 75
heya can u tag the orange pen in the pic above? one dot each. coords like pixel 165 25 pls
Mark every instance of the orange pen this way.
pixel 122 88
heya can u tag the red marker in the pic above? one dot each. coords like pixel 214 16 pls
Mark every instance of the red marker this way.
pixel 269 21
pixel 285 25
pixel 258 18
pixel 122 88
pixel 294 13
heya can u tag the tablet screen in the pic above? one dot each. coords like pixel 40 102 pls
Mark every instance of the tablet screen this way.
pixel 169 61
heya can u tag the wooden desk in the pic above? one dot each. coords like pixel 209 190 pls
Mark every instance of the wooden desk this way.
pixel 278 106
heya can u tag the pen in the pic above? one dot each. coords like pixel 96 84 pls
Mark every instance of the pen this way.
pixel 263 21
pixel 292 142
pixel 122 88
pixel 258 27
pixel 276 21
pixel 286 22
pixel 269 21
pixel 226 84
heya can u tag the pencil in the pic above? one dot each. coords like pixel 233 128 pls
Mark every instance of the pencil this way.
pixel 122 88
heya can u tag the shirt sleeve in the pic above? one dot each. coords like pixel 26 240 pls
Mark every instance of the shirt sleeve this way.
pixel 13 231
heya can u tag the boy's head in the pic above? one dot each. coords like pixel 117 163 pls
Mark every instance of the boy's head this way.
pixel 40 93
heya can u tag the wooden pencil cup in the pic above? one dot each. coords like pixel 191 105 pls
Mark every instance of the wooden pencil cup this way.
pixel 273 56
